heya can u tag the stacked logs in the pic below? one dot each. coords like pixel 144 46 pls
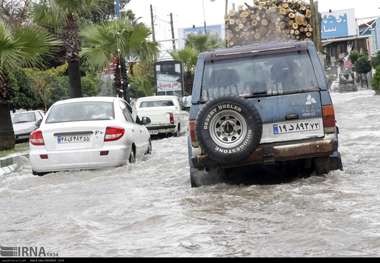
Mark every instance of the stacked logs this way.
pixel 269 20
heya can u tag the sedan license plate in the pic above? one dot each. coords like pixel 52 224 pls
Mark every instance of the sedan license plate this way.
pixel 153 132
pixel 297 127
pixel 73 139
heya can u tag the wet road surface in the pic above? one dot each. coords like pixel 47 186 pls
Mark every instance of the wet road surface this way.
pixel 149 209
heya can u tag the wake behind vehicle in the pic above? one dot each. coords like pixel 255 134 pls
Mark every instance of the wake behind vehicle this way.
pixel 165 113
pixel 88 133
pixel 26 122
pixel 261 104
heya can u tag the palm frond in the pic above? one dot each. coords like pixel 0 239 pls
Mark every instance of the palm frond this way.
pixel 24 47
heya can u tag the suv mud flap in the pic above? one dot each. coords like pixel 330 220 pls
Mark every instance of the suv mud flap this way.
pixel 336 162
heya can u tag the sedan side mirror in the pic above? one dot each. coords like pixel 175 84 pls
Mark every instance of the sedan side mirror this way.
pixel 146 121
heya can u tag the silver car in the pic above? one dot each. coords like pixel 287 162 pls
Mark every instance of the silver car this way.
pixel 26 122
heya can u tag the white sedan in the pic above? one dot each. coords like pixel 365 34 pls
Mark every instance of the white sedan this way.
pixel 88 133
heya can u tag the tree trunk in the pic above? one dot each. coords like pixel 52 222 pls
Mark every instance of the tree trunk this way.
pixel 117 78
pixel 121 79
pixel 72 46
pixel 74 77
pixel 7 136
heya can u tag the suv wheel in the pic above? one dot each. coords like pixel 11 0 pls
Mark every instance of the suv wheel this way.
pixel 229 129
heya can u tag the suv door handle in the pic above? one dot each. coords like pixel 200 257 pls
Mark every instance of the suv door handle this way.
pixel 292 116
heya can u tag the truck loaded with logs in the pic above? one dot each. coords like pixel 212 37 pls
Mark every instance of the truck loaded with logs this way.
pixel 273 20
pixel 265 100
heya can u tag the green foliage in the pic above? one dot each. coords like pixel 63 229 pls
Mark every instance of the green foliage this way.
pixel 111 42
pixel 354 56
pixel 195 44
pixel 24 47
pixel 188 56
pixel 376 80
pixel 362 65
pixel 101 43
pixel 42 82
pixel 202 43
pixel 90 85
pixel 142 80
pixel 22 94
pixel 375 61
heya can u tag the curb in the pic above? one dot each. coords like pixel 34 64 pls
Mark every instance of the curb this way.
pixel 12 163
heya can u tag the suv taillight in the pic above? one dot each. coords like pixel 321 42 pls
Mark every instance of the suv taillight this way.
pixel 193 135
pixel 36 138
pixel 329 121
pixel 113 134
pixel 171 118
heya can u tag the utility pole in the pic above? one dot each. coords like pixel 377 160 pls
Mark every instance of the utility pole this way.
pixel 204 17
pixel 226 9
pixel 172 28
pixel 152 21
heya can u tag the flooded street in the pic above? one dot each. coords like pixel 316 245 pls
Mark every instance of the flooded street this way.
pixel 149 209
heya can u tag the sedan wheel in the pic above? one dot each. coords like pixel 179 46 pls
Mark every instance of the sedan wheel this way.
pixel 150 148
pixel 132 157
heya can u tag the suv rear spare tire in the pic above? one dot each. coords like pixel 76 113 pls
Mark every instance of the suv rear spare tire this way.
pixel 229 129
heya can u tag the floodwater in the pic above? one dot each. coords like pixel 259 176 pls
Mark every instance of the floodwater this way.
pixel 149 209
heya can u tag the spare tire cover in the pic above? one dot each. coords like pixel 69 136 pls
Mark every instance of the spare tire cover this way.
pixel 229 129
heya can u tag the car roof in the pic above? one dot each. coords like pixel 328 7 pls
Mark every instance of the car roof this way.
pixel 88 99
pixel 155 98
pixel 258 47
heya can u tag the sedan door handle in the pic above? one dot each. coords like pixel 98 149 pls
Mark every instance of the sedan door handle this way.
pixel 292 116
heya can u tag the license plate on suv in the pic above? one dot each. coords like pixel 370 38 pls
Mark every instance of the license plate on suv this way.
pixel 303 126
pixel 73 139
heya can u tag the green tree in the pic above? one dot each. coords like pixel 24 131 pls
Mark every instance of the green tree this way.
pixel 375 61
pixel 41 82
pixel 363 66
pixel 376 80
pixel 354 56
pixel 22 94
pixel 142 79
pixel 21 47
pixel 188 56
pixel 195 44
pixel 203 43
pixel 63 17
pixel 112 42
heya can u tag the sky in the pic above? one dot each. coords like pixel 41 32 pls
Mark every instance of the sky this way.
pixel 187 13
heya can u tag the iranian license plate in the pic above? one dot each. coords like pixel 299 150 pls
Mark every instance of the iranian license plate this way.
pixel 297 127
pixel 153 132
pixel 73 139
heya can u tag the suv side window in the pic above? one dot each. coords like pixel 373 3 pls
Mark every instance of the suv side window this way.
pixel 126 112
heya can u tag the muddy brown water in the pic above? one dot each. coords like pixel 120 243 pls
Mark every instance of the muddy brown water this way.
pixel 149 209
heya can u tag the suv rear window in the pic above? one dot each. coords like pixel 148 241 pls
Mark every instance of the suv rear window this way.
pixel 260 75
pixel 81 111
pixel 159 103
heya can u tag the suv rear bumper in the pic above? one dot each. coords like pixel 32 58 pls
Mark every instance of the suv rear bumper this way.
pixel 279 152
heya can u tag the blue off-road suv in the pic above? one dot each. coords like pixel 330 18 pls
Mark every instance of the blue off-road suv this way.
pixel 261 104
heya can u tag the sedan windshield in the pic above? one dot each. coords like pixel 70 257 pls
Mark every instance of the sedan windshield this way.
pixel 24 117
pixel 81 111
pixel 159 103
pixel 260 75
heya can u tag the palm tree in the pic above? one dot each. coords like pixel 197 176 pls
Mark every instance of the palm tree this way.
pixel 22 47
pixel 195 44
pixel 203 43
pixel 112 42
pixel 62 16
